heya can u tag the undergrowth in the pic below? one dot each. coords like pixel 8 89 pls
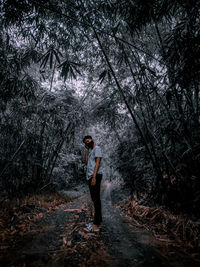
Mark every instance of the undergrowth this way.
pixel 166 226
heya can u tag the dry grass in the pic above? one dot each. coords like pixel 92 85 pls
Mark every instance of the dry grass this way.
pixel 178 228
pixel 47 201
pixel 79 247
pixel 16 215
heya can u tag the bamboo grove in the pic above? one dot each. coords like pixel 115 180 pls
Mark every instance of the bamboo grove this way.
pixel 135 72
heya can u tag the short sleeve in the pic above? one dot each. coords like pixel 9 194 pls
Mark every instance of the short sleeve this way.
pixel 98 153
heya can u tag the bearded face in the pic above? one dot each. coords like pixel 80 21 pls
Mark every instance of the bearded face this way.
pixel 90 144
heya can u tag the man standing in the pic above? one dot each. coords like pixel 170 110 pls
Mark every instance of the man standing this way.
pixel 93 157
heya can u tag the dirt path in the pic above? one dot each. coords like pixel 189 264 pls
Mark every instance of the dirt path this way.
pixel 60 238
pixel 124 244
pixel 133 245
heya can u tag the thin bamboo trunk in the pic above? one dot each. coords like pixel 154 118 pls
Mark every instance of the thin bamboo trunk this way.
pixel 126 102
pixel 52 77
pixel 54 156
pixel 7 165
pixel 170 72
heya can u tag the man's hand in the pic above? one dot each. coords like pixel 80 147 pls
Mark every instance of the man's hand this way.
pixel 93 181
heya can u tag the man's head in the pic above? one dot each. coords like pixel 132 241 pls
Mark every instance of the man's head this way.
pixel 88 141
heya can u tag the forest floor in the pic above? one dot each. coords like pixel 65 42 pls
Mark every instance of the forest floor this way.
pixel 52 231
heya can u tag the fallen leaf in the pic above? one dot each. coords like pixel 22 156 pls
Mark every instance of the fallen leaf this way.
pixel 64 240
pixel 4 247
pixel 3 236
pixel 13 232
pixel 73 210
pixel 69 243
pixel 86 235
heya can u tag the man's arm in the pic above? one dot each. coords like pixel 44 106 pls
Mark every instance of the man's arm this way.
pixel 86 155
pixel 97 165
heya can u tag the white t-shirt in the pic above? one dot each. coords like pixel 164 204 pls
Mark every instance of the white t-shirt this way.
pixel 93 154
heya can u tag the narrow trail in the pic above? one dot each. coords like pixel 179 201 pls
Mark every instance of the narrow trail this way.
pixel 124 243
pixel 60 238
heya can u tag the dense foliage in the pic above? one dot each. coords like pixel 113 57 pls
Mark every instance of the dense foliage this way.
pixel 138 69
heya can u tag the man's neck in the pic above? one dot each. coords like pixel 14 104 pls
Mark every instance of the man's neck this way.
pixel 93 146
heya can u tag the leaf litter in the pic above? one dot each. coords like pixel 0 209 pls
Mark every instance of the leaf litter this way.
pixel 50 231
pixel 54 233
pixel 176 231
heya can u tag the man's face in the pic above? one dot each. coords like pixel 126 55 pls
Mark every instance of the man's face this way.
pixel 89 142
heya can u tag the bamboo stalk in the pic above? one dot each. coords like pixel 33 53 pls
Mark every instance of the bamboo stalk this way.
pixel 125 100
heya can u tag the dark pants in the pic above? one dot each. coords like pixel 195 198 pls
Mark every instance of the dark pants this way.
pixel 95 195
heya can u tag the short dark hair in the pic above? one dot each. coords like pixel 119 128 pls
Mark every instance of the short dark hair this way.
pixel 86 137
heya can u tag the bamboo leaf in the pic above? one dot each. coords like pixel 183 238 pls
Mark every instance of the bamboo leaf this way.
pixel 57 53
pixel 102 76
pixel 45 60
